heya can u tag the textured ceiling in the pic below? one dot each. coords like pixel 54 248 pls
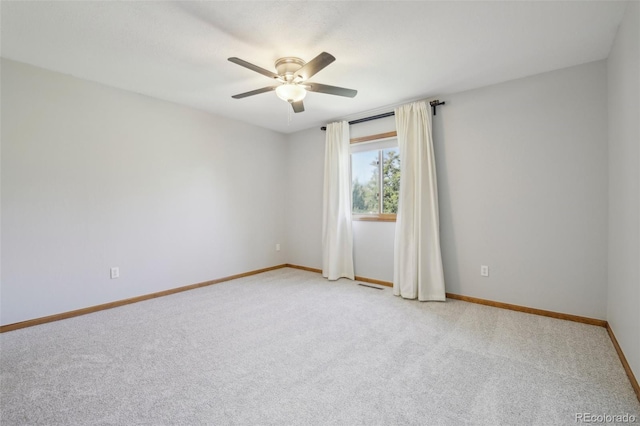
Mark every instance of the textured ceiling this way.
pixel 391 52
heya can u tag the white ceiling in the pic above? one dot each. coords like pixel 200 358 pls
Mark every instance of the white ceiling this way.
pixel 391 52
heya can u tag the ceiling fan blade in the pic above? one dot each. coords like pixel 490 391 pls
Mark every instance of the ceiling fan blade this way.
pixel 254 92
pixel 297 106
pixel 315 65
pixel 330 90
pixel 255 68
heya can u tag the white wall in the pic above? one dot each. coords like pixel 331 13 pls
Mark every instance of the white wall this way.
pixel 305 174
pixel 94 177
pixel 623 313
pixel 522 177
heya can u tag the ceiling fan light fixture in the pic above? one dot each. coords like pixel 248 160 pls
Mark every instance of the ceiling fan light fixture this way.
pixel 291 92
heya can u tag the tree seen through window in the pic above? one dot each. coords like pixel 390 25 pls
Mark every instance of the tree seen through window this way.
pixel 375 181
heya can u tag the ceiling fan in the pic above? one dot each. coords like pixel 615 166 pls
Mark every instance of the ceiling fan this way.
pixel 292 75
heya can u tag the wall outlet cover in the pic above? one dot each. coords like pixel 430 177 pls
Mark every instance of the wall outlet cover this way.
pixel 484 270
pixel 115 272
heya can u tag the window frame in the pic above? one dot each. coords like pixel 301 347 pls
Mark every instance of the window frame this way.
pixel 379 217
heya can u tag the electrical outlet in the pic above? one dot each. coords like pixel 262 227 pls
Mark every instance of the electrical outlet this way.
pixel 115 272
pixel 484 270
pixel 277 247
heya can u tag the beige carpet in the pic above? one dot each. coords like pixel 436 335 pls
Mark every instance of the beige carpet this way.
pixel 289 348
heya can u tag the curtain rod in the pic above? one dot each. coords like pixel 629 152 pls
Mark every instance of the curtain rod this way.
pixel 433 104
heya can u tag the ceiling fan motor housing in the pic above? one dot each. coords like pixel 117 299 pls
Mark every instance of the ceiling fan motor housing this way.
pixel 286 67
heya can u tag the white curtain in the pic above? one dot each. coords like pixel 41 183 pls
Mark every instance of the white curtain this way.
pixel 337 235
pixel 418 269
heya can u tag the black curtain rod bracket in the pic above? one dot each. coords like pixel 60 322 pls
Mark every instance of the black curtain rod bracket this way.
pixel 433 104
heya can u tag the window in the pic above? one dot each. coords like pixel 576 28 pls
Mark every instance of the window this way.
pixel 375 180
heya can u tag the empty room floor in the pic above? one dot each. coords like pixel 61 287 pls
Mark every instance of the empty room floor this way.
pixel 288 347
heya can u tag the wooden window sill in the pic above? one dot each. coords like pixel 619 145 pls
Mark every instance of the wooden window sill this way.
pixel 374 217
